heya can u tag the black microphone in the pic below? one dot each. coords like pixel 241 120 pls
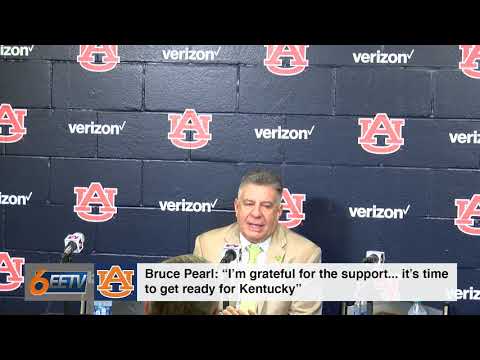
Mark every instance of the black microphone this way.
pixel 230 255
pixel 71 247
pixel 371 259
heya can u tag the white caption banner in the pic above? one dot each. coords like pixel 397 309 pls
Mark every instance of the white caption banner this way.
pixel 297 282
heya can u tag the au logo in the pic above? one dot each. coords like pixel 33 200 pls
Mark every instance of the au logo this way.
pixel 466 210
pixel 109 54
pixel 296 56
pixel 95 194
pixel 293 205
pixel 381 124
pixel 115 282
pixel 198 124
pixel 14 120
pixel 12 266
pixel 470 58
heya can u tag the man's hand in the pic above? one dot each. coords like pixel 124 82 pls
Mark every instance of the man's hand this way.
pixel 230 310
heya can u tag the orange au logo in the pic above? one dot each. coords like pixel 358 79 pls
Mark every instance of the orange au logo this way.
pixel 381 125
pixel 293 204
pixel 469 64
pixel 115 275
pixel 109 53
pixel 296 54
pixel 13 119
pixel 13 267
pixel 95 194
pixel 466 209
pixel 199 124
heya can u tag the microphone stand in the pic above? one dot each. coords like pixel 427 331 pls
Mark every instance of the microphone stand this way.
pixel 66 259
pixel 226 260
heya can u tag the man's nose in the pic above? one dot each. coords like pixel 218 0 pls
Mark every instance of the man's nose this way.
pixel 256 211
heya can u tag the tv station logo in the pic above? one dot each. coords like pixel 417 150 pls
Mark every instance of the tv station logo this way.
pixel 381 125
pixel 116 282
pixel 11 277
pixel 58 282
pixel 286 60
pixel 98 58
pixel 12 124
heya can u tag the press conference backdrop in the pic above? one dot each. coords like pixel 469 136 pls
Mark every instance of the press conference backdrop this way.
pixel 377 146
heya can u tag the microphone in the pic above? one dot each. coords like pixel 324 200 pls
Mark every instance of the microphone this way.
pixel 371 259
pixel 73 245
pixel 374 257
pixel 231 253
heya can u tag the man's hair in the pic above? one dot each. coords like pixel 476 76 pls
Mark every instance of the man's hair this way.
pixel 183 307
pixel 262 177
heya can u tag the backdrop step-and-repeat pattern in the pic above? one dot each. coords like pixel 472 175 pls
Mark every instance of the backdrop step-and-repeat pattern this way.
pixel 141 148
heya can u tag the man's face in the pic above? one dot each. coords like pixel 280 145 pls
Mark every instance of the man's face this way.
pixel 257 211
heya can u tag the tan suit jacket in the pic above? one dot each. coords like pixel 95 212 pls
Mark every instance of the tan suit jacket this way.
pixel 286 245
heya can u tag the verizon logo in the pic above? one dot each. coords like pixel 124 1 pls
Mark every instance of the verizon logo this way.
pixel 464 138
pixel 14 199
pixel 96 129
pixel 470 294
pixel 283 134
pixel 382 58
pixel 187 206
pixel 194 55
pixel 378 213
pixel 6 50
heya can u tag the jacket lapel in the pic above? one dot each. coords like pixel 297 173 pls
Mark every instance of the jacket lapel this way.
pixel 231 238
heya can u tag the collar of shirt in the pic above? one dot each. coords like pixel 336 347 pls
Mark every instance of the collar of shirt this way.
pixel 244 244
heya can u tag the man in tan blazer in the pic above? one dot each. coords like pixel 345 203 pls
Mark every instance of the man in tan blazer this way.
pixel 258 209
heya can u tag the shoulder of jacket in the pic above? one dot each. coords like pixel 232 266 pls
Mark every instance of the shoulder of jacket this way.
pixel 214 233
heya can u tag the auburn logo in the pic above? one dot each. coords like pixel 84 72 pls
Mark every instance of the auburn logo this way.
pixel 293 205
pixel 198 124
pixel 13 267
pixel 381 125
pixel 108 53
pixel 469 63
pixel 115 275
pixel 12 123
pixel 466 209
pixel 296 55
pixel 95 194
